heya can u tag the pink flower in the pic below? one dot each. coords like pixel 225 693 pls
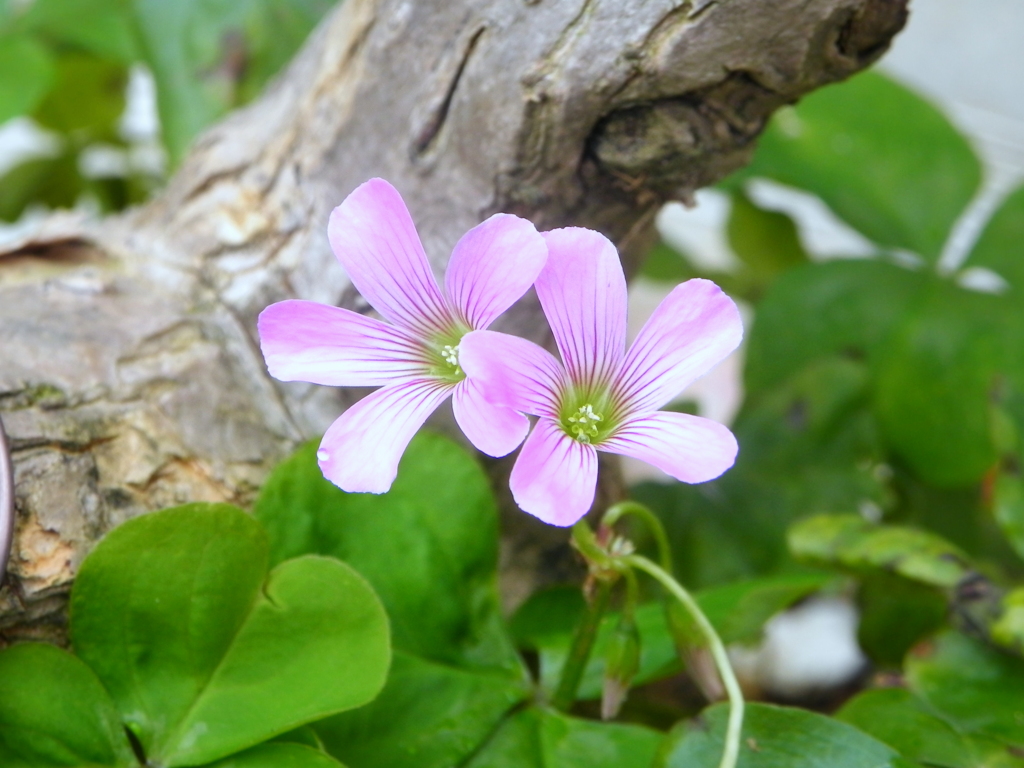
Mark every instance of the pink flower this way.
pixel 605 398
pixel 416 358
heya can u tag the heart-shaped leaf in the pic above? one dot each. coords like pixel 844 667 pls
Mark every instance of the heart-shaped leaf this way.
pixel 429 547
pixel 206 654
pixel 777 737
pixel 55 713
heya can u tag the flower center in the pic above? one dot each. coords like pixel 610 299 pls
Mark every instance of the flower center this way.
pixel 583 425
pixel 443 359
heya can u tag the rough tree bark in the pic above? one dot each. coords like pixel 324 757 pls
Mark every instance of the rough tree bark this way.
pixel 130 377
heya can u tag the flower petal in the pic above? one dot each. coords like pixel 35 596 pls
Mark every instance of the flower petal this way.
pixel 583 292
pixel 373 236
pixel 689 448
pixel 691 331
pixel 494 429
pixel 513 372
pixel 361 449
pixel 555 477
pixel 307 341
pixel 492 266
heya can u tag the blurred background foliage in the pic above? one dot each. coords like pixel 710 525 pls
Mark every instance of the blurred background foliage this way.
pixel 66 64
pixel 882 424
pixel 889 385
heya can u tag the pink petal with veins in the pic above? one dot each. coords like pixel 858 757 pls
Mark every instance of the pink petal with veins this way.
pixel 494 429
pixel 374 238
pixel 690 332
pixel 689 448
pixel 513 372
pixel 492 266
pixel 555 477
pixel 583 292
pixel 361 449
pixel 306 341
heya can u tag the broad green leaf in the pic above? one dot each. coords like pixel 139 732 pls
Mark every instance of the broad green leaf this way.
pixel 776 737
pixel 766 241
pixel 26 71
pixel 1001 245
pixel 978 689
pixel 935 379
pixel 88 95
pixel 101 27
pixel 839 307
pixel 1008 628
pixel 850 541
pixel 896 614
pixel 429 546
pixel 429 715
pixel 885 160
pixel 55 713
pixel 538 738
pixel 209 56
pixel 665 264
pixel 204 652
pixel 277 755
pixel 904 722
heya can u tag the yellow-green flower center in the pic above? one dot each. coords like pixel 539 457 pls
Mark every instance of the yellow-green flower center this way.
pixel 587 416
pixel 443 357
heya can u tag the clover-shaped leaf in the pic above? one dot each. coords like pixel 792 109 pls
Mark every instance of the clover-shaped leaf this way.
pixel 54 712
pixel 203 652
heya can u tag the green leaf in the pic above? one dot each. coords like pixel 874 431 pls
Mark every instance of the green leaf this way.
pixel 537 738
pixel 896 614
pixel 100 27
pixel 665 264
pixel 432 557
pixel 776 737
pixel 844 307
pixel 278 755
pixel 26 71
pixel 203 652
pixel 885 160
pixel 850 541
pixel 766 241
pixel 54 181
pixel 1001 245
pixel 904 722
pixel 978 689
pixel 88 95
pixel 54 712
pixel 429 715
pixel 935 381
pixel 209 56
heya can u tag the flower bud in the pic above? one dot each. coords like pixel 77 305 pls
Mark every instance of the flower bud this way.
pixel 622 661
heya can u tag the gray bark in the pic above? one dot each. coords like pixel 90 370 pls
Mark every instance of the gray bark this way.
pixel 130 376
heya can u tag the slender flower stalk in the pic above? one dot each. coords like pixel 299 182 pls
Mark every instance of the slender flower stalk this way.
pixel 599 396
pixel 734 728
pixel 415 357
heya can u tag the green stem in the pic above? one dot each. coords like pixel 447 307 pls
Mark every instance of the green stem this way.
pixel 582 644
pixel 623 508
pixel 732 686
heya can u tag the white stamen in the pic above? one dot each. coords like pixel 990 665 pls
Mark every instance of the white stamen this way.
pixel 451 354
pixel 585 423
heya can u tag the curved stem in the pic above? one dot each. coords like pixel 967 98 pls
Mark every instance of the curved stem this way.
pixel 623 508
pixel 579 652
pixel 718 652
